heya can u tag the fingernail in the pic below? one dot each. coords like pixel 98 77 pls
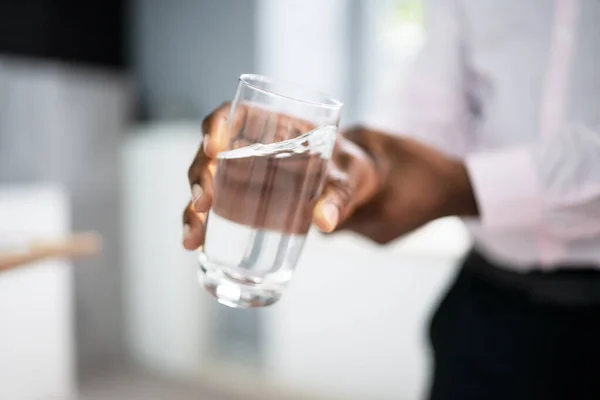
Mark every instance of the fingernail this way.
pixel 185 234
pixel 331 214
pixel 212 168
pixel 197 192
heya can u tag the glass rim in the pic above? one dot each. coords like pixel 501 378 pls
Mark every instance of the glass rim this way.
pixel 250 80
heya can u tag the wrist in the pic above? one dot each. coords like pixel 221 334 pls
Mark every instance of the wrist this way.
pixel 458 198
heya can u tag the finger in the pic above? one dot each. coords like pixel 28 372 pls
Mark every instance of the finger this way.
pixel 193 228
pixel 352 181
pixel 201 177
pixel 333 206
pixel 326 217
pixel 214 127
pixel 290 128
pixel 360 170
pixel 266 126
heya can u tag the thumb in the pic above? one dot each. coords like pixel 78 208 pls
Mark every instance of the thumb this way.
pixel 331 208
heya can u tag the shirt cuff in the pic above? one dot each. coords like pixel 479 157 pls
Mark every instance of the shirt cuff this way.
pixel 506 188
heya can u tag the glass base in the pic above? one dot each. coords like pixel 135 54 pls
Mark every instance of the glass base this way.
pixel 232 292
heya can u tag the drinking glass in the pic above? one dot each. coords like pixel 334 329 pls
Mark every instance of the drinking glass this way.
pixel 266 185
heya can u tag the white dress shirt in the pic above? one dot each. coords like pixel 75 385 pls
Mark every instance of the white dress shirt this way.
pixel 512 87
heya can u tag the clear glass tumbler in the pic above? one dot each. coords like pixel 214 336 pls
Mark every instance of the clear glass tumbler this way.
pixel 266 185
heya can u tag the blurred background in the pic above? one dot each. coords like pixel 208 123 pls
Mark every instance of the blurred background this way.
pixel 100 111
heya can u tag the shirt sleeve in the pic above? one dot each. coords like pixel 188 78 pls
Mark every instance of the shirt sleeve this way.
pixel 552 184
pixel 430 97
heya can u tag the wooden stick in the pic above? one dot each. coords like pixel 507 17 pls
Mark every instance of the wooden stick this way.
pixel 81 245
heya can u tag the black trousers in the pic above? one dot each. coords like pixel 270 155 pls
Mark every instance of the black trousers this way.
pixel 491 341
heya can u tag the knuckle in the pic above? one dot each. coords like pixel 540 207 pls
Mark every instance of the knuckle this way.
pixel 197 167
pixel 385 236
pixel 342 190
pixel 221 111
pixel 335 175
pixel 192 174
pixel 206 123
pixel 342 158
pixel 381 240
pixel 186 214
